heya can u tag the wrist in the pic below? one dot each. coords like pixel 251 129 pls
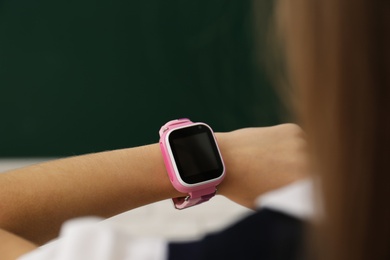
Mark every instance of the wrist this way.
pixel 223 140
pixel 160 182
pixel 259 160
pixel 242 184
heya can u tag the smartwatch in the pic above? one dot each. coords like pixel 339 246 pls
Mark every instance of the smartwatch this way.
pixel 192 159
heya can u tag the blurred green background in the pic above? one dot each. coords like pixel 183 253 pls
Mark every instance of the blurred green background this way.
pixel 89 75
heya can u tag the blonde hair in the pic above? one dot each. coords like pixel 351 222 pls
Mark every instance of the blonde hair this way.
pixel 339 63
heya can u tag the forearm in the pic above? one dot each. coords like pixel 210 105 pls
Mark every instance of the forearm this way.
pixel 12 246
pixel 36 200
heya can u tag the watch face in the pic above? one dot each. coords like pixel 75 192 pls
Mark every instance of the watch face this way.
pixel 196 154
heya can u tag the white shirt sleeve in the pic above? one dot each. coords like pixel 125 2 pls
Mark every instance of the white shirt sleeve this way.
pixel 88 238
pixel 295 199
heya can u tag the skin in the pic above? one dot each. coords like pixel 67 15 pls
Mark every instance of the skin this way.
pixel 36 200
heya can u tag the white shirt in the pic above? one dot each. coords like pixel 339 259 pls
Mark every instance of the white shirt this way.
pixel 89 238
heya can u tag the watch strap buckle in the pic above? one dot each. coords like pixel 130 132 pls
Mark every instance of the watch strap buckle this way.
pixel 190 200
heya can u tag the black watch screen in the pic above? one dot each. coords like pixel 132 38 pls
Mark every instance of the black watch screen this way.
pixel 196 154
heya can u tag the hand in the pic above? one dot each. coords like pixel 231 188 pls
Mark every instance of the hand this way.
pixel 258 160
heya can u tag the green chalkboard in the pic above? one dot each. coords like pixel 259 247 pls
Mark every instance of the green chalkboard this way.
pixel 89 75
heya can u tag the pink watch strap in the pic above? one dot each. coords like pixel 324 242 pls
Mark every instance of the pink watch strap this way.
pixel 195 197
pixel 173 124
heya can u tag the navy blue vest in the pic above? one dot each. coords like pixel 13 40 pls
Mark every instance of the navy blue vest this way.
pixel 264 235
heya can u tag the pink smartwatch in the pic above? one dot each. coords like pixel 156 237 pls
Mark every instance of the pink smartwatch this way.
pixel 193 160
